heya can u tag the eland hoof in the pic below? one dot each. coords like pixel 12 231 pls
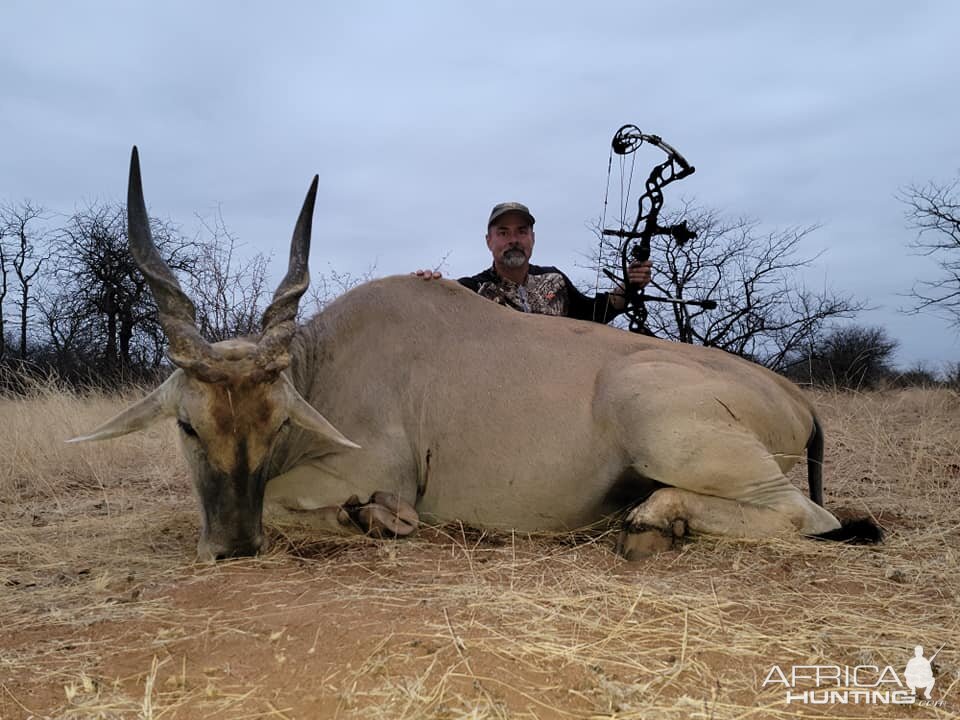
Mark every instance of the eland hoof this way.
pixel 637 543
pixel 383 515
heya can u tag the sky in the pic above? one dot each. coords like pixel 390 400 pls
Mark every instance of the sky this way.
pixel 419 117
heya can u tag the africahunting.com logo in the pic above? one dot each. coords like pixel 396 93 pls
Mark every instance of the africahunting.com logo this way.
pixel 859 684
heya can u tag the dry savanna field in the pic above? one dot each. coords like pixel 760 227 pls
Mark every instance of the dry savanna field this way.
pixel 105 614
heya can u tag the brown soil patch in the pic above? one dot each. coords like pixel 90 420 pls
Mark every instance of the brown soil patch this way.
pixel 104 614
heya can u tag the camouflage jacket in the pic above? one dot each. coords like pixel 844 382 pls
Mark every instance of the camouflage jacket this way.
pixel 547 291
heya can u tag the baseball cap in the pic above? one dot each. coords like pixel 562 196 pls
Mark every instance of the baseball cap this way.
pixel 505 207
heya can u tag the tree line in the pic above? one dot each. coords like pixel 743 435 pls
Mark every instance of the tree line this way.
pixel 73 304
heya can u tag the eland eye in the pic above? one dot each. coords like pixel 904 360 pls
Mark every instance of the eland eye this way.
pixel 187 428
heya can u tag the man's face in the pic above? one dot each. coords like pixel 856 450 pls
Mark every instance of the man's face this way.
pixel 510 239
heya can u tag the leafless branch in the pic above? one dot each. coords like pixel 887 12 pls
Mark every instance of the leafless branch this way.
pixel 763 310
pixel 933 211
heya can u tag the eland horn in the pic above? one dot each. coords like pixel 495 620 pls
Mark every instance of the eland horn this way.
pixel 188 349
pixel 279 321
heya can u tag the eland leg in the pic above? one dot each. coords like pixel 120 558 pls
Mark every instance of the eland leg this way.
pixel 777 509
pixel 718 484
pixel 668 514
pixel 309 494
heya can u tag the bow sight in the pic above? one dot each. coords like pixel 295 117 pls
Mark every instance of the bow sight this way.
pixel 627 140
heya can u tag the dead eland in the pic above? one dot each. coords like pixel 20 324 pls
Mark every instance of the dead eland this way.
pixel 398 402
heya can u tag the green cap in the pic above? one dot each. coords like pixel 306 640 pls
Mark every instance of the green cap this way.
pixel 504 208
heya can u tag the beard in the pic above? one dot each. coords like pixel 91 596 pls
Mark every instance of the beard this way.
pixel 514 257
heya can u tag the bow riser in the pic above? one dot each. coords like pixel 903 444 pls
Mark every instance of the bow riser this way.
pixel 627 140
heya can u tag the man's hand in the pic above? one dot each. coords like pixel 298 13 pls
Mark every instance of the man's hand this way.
pixel 639 274
pixel 427 274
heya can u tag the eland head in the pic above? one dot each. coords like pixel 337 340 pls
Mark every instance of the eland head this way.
pixel 231 399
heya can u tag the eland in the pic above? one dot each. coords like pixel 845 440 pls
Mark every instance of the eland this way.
pixel 405 400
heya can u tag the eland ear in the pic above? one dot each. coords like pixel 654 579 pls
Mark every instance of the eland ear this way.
pixel 159 404
pixel 304 415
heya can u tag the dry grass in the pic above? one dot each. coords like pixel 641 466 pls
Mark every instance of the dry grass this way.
pixel 104 614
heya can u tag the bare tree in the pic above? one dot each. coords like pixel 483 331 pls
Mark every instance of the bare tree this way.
pixel 102 299
pixel 763 311
pixel 229 292
pixel 951 375
pixel 933 210
pixel 919 374
pixel 4 274
pixel 327 287
pixel 850 356
pixel 67 328
pixel 25 259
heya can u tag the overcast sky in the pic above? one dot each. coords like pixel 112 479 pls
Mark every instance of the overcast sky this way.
pixel 419 117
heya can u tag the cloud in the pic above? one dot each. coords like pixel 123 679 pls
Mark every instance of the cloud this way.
pixel 418 118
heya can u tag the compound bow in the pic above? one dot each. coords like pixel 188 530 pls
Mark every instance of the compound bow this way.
pixel 627 140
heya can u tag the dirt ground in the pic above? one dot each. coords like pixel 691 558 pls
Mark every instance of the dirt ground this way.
pixel 104 613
